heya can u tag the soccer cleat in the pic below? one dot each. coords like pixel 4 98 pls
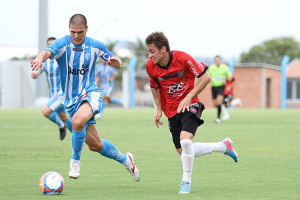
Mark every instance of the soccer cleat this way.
pixel 132 169
pixel 63 131
pixel 217 121
pixel 229 149
pixel 74 171
pixel 185 188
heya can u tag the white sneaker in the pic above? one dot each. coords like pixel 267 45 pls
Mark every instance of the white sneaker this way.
pixel 225 117
pixel 217 120
pixel 133 170
pixel 74 171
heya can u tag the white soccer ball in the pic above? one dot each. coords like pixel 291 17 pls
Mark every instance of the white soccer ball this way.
pixel 52 183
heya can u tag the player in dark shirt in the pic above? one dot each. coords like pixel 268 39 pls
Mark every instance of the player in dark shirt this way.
pixel 172 77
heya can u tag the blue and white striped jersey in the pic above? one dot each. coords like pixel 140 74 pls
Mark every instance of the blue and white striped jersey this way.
pixel 104 73
pixel 77 65
pixel 53 77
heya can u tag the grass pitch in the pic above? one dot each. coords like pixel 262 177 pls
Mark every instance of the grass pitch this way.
pixel 267 142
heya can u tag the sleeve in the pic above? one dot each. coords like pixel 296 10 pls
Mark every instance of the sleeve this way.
pixel 104 53
pixel 195 66
pixel 152 80
pixel 58 47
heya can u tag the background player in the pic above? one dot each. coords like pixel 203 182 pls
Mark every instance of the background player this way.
pixel 172 76
pixel 228 96
pixel 105 76
pixel 54 110
pixel 76 55
pixel 219 73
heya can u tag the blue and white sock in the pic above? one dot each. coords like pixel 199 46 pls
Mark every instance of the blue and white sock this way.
pixel 78 138
pixel 54 118
pixel 111 152
pixel 69 124
pixel 116 101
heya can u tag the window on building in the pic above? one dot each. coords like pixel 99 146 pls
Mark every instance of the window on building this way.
pixel 289 90
pixel 293 90
pixel 298 90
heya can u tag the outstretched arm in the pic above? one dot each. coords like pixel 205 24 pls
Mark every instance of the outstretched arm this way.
pixel 199 87
pixel 37 63
pixel 115 62
pixel 157 116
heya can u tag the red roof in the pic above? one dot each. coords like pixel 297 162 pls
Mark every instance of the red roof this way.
pixel 293 70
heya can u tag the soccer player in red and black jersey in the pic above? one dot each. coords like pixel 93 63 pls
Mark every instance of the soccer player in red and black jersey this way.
pixel 172 77
pixel 228 96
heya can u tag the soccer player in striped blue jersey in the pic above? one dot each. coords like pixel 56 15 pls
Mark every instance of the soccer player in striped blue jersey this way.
pixel 105 76
pixel 54 110
pixel 76 56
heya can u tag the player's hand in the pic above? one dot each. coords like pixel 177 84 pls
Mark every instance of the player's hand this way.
pixel 115 62
pixel 157 116
pixel 184 104
pixel 36 64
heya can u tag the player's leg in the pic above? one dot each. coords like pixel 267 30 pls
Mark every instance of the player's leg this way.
pixel 236 102
pixel 187 159
pixel 224 146
pixel 52 116
pixel 79 120
pixel 214 91
pixel 116 101
pixel 65 118
pixel 107 149
pixel 219 101
pixel 225 104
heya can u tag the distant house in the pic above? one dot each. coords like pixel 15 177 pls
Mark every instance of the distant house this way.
pixel 258 86
pixel 293 84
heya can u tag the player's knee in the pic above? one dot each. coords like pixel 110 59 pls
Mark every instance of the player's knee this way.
pixel 63 116
pixel 187 145
pixel 46 112
pixel 77 124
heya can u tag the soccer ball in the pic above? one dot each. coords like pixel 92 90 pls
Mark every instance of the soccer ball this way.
pixel 52 183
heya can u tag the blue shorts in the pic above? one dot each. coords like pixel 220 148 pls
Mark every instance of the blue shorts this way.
pixel 106 90
pixel 55 103
pixel 95 99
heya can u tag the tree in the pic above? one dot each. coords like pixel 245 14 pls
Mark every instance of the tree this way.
pixel 272 51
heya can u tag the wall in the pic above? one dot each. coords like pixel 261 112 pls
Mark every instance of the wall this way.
pixel 251 86
pixel 16 85
pixel 276 85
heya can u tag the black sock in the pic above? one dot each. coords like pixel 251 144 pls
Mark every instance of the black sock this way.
pixel 219 111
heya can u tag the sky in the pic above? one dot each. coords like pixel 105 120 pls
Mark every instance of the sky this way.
pixel 199 27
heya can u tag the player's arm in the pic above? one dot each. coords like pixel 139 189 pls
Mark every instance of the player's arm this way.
pixel 199 87
pixel 115 62
pixel 113 77
pixel 37 63
pixel 157 116
pixel 108 56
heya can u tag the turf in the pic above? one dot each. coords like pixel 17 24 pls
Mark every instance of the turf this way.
pixel 267 142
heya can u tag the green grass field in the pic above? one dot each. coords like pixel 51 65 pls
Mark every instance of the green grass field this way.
pixel 267 142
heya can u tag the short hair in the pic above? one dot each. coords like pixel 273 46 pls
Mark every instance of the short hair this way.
pixel 218 56
pixel 51 38
pixel 158 39
pixel 77 20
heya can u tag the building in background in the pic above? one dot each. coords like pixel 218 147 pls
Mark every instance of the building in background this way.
pixel 257 85
pixel 293 84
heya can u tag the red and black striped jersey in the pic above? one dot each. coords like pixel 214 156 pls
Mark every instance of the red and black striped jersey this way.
pixel 175 80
